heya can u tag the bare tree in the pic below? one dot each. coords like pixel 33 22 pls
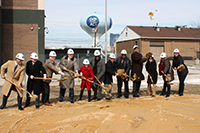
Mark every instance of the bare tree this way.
pixel 195 24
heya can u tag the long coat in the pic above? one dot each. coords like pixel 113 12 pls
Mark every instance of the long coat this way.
pixel 177 61
pixel 71 65
pixel 167 68
pixel 110 71
pixel 100 68
pixel 88 74
pixel 137 65
pixel 151 68
pixel 37 70
pixel 50 67
pixel 17 76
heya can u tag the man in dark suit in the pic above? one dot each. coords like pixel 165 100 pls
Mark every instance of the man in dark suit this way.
pixel 34 68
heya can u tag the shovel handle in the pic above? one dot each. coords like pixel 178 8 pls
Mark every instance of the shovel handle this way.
pixel 12 82
pixel 104 89
pixel 167 78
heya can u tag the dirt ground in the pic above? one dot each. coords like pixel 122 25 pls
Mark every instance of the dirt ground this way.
pixel 143 114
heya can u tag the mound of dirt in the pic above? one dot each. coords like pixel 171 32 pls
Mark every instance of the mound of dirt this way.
pixel 143 114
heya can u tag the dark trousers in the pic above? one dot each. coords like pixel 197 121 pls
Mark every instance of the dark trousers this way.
pixel 165 85
pixel 181 83
pixel 89 95
pixel 136 87
pixel 97 90
pixel 119 86
pixel 28 99
pixel 45 93
pixel 62 94
pixel 5 98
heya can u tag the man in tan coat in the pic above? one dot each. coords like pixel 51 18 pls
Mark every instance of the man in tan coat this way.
pixel 68 62
pixel 15 72
pixel 50 68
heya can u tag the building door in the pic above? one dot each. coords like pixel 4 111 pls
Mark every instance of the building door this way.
pixel 156 48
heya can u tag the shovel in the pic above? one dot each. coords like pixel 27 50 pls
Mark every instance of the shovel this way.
pixel 104 89
pixel 123 76
pixel 59 80
pixel 154 85
pixel 169 83
pixel 12 82
pixel 90 82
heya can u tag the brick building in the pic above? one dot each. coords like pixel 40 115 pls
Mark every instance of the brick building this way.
pixel 21 28
pixel 160 39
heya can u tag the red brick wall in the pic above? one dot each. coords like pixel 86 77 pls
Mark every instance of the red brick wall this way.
pixel 19 38
pixel 20 4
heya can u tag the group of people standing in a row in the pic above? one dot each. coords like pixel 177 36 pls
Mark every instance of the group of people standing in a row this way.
pixel 93 73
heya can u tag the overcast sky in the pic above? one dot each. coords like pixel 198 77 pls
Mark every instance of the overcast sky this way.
pixel 63 17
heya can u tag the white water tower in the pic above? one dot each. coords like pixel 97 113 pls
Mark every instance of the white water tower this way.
pixel 94 25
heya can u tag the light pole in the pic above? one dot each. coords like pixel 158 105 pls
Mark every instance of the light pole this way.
pixel 105 31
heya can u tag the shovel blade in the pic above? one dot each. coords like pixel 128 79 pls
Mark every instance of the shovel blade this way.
pixel 155 86
pixel 33 96
pixel 169 83
pixel 108 87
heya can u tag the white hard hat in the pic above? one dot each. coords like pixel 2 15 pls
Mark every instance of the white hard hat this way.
pixel 86 62
pixel 112 56
pixel 176 50
pixel 52 54
pixel 20 56
pixel 163 55
pixel 97 53
pixel 123 51
pixel 70 51
pixel 34 55
pixel 135 46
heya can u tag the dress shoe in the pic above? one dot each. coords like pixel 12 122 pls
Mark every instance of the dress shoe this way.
pixel 94 98
pixel 162 94
pixel 119 96
pixel 20 108
pixel 167 95
pixel 2 107
pixel 180 95
pixel 47 104
pixel 98 99
pixel 37 106
pixel 126 97
pixel 26 105
pixel 108 99
pixel 136 96
pixel 72 102
pixel 79 99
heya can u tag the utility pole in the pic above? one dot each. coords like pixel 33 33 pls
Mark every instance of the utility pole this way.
pixel 105 31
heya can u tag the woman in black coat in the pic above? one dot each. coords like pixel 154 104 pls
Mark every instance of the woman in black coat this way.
pixel 177 61
pixel 34 68
pixel 151 68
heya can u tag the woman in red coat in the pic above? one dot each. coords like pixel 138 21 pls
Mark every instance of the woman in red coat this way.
pixel 87 72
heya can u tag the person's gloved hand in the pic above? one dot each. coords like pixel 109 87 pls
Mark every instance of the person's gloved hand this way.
pixel 19 85
pixel 31 77
pixel 45 76
pixel 61 73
